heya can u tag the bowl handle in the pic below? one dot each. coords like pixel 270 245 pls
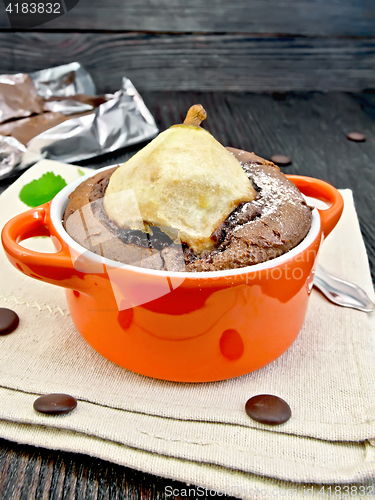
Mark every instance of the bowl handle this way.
pixel 56 268
pixel 321 190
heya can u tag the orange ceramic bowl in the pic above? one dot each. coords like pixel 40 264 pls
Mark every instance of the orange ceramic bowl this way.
pixel 179 326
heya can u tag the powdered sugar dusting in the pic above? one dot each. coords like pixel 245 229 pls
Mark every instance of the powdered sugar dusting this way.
pixel 275 192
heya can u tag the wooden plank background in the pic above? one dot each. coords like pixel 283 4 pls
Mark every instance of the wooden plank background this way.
pixel 299 17
pixel 246 45
pixel 235 62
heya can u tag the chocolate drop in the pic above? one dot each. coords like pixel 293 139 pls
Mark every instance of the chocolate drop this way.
pixel 281 160
pixel 268 409
pixel 356 137
pixel 8 321
pixel 55 404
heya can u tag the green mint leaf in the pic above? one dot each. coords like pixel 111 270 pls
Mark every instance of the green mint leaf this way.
pixel 41 190
pixel 81 172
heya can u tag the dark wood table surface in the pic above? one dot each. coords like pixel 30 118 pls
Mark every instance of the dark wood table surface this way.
pixel 310 128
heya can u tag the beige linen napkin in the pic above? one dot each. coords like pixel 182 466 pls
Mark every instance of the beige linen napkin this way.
pixel 199 433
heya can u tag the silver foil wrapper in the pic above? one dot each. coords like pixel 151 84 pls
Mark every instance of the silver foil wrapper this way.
pixel 18 97
pixel 11 152
pixel 121 120
pixel 63 81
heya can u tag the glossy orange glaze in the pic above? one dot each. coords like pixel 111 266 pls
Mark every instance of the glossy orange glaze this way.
pixel 190 329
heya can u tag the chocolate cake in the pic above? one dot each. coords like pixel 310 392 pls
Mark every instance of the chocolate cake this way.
pixel 256 231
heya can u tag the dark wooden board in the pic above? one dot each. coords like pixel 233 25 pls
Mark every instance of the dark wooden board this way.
pixel 31 473
pixel 28 472
pixel 198 62
pixel 311 128
pixel 305 17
